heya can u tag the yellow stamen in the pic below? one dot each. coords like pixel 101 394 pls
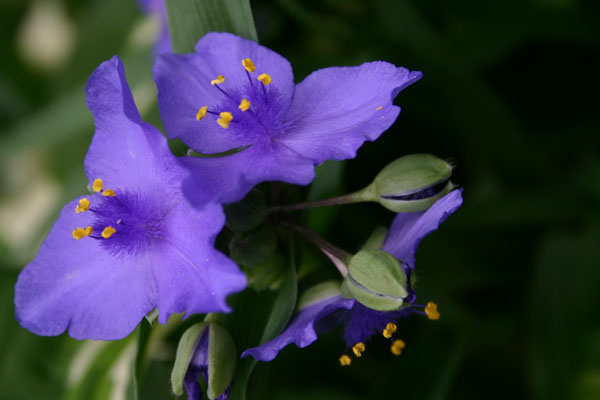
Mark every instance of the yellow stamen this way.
pixel 358 349
pixel 108 232
pixel 201 113
pixel 97 185
pixel 397 347
pixel 265 79
pixel 248 64
pixel 108 193
pixel 432 311
pixel 84 205
pixel 389 330
pixel 220 79
pixel 78 233
pixel 345 360
pixel 224 119
pixel 379 108
pixel 244 105
pixel 88 230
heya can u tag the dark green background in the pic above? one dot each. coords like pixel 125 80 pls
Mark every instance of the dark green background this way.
pixel 510 92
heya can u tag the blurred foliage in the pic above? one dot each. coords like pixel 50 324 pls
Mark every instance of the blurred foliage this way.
pixel 509 93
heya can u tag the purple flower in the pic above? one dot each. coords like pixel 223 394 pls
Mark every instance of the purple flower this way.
pixel 132 245
pixel 235 94
pixel 157 7
pixel 361 322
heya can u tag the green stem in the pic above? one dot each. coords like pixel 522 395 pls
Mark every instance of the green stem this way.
pixel 356 197
pixel 328 248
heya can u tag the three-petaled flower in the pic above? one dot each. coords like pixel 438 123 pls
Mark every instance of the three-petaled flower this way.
pixel 233 93
pixel 131 246
pixel 361 322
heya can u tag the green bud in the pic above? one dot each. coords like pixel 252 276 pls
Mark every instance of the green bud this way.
pixel 376 279
pixel 247 214
pixel 318 293
pixel 268 275
pixel 222 358
pixel 411 183
pixel 253 248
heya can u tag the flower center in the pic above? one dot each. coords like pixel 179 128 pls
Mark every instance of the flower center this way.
pixel 124 222
pixel 253 112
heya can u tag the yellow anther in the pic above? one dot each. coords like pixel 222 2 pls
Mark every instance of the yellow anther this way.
pixel 432 311
pixel 79 233
pixel 379 108
pixel 201 113
pixel 389 330
pixel 358 349
pixel 345 360
pixel 88 230
pixel 224 119
pixel 244 105
pixel 84 205
pixel 108 232
pixel 265 79
pixel 397 347
pixel 248 64
pixel 220 79
pixel 97 185
pixel 108 193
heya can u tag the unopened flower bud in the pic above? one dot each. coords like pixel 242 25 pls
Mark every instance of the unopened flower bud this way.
pixel 411 183
pixel 376 279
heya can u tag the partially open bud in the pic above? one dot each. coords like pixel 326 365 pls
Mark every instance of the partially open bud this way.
pixel 411 183
pixel 376 279
pixel 207 348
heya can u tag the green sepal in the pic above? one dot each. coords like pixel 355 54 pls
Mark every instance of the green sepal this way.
pixel 251 249
pixel 318 293
pixel 185 351
pixel 376 279
pixel 247 214
pixel 410 183
pixel 222 359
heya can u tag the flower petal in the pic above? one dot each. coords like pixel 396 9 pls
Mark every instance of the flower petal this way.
pixel 301 331
pixel 191 276
pixel 335 110
pixel 409 229
pixel 76 284
pixel 229 179
pixel 184 86
pixel 125 151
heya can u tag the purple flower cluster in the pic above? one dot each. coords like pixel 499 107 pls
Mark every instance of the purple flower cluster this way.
pixel 144 236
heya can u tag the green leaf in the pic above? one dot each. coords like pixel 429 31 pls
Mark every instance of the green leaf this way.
pixel 185 348
pixel 189 20
pixel 250 328
pixel 268 275
pixel 143 339
pixel 221 360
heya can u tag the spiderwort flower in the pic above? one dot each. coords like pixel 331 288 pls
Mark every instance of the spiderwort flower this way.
pixel 233 93
pixel 324 306
pixel 133 244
